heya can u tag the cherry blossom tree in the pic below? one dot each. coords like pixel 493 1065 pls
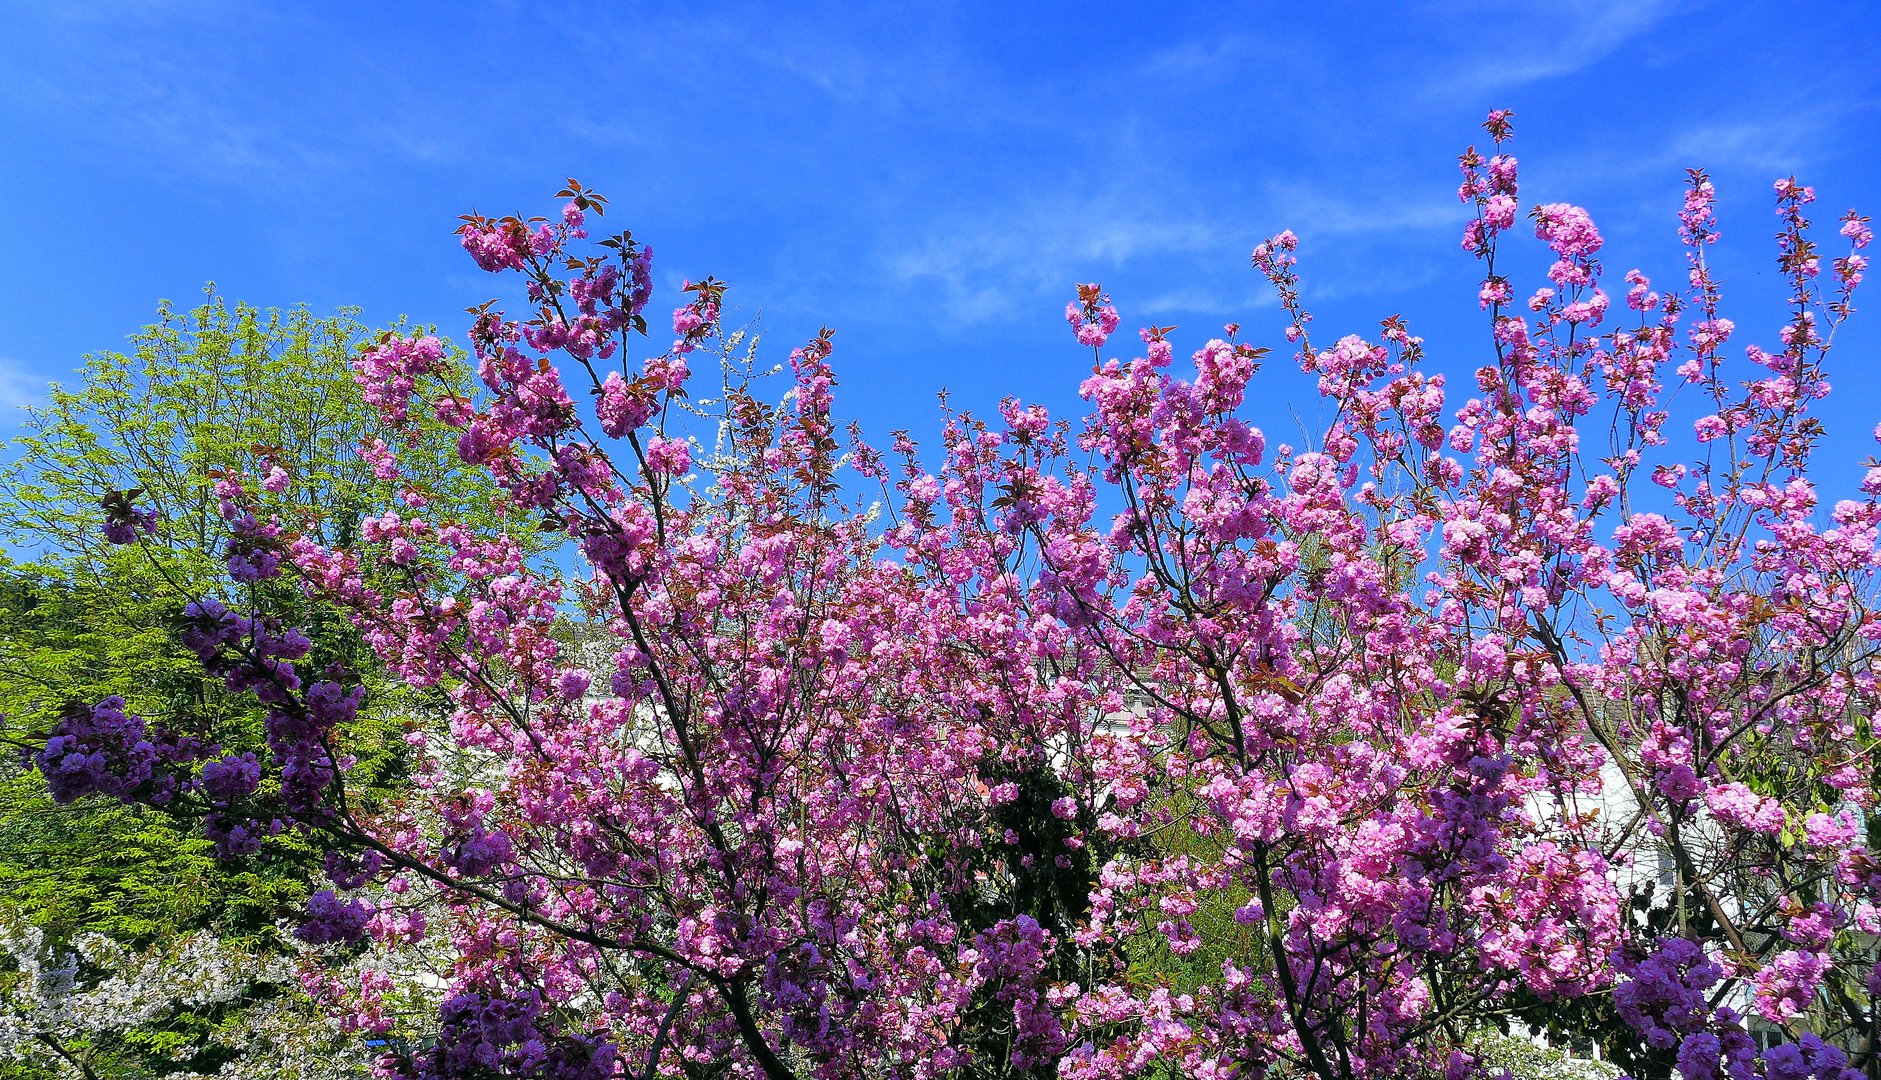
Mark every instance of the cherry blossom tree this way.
pixel 1135 747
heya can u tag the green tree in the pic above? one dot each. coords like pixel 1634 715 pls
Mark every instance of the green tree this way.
pixel 217 389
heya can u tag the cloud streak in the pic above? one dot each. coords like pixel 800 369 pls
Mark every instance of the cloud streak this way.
pixel 1545 41
pixel 20 386
pixel 987 264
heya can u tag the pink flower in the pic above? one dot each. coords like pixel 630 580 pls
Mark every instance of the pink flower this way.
pixel 1092 317
pixel 670 456
pixel 1742 807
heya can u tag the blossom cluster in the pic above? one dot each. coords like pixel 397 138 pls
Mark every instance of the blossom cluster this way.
pixel 1092 316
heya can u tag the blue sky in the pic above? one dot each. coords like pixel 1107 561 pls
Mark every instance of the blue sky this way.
pixel 930 180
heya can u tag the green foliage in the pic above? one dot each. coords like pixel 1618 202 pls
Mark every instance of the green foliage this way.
pixel 216 388
pixel 1223 938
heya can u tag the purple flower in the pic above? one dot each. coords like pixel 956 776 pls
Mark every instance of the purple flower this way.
pixel 124 521
pixel 348 872
pixel 482 1035
pixel 479 852
pixel 1698 1056
pixel 100 749
pixel 331 920
pixel 234 836
pixel 1664 995
pixel 231 777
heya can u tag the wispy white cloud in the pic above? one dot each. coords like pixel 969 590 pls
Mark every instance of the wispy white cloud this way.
pixel 628 133
pixel 987 261
pixel 20 388
pixel 176 86
pixel 1202 59
pixel 1773 143
pixel 1315 212
pixel 1206 303
pixel 1543 41
pixel 990 262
